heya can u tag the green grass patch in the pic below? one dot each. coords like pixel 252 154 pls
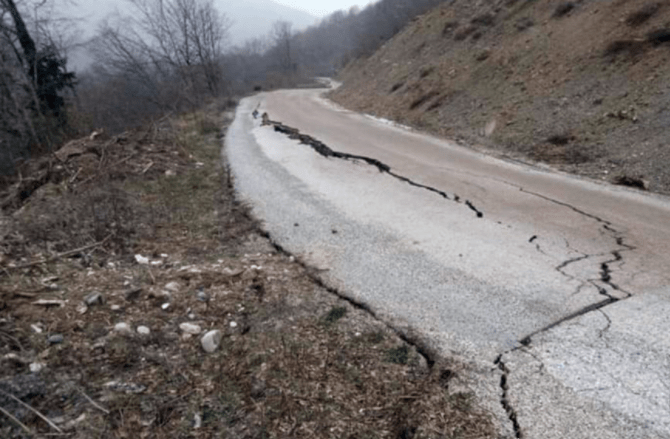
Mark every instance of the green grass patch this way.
pixel 334 315
pixel 399 355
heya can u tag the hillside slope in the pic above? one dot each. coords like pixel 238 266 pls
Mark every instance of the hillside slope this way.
pixel 582 86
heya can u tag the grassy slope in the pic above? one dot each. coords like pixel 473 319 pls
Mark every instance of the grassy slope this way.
pixel 584 89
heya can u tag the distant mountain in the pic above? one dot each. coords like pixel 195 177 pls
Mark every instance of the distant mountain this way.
pixel 254 18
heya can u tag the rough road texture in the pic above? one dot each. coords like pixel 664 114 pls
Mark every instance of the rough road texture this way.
pixel 553 293
pixel 577 85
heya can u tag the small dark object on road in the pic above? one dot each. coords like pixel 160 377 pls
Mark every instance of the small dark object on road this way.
pixel 635 182
pixel 560 139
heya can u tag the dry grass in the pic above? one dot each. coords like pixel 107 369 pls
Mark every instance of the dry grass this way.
pixel 295 361
pixel 574 70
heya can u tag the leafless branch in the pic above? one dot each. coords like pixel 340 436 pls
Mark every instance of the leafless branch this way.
pixel 40 415
pixel 16 421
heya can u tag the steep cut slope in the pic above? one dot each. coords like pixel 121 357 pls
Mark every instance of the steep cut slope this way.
pixel 583 86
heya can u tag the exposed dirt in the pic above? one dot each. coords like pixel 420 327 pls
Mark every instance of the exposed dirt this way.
pixel 145 228
pixel 581 85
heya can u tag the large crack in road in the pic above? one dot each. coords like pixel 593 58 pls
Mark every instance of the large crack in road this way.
pixel 324 150
pixel 604 284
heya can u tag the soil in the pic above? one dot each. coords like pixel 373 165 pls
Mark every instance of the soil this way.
pixel 110 246
pixel 580 86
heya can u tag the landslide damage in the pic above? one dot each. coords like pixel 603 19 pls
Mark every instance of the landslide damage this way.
pixel 117 254
pixel 579 85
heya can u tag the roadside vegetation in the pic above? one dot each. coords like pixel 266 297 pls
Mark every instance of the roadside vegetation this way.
pixel 116 270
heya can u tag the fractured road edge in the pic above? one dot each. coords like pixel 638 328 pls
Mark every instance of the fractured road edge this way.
pixel 324 150
pixel 524 342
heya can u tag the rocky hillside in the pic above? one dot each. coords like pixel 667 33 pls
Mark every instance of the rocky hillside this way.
pixel 582 86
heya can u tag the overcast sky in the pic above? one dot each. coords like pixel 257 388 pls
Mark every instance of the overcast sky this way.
pixel 321 8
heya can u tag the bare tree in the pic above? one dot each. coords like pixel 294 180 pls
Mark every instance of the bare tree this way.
pixel 282 35
pixel 33 81
pixel 172 48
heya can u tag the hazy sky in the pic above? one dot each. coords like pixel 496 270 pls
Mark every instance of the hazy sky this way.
pixel 320 8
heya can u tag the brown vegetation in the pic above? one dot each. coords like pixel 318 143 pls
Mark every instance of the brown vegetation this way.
pixel 295 360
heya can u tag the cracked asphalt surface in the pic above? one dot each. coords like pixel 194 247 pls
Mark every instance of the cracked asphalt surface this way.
pixel 554 289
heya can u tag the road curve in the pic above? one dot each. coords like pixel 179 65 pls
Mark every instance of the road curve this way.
pixel 553 285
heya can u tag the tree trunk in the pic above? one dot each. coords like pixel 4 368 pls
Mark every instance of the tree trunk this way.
pixel 27 43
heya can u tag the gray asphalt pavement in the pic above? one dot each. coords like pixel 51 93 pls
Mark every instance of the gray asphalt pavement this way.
pixel 559 287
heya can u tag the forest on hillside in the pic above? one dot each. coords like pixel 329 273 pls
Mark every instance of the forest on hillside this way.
pixel 164 56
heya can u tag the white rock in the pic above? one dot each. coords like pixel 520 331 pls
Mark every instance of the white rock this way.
pixel 15 358
pixel 141 260
pixel 211 341
pixel 115 308
pixel 190 328
pixel 37 329
pixel 37 367
pixel 122 328
pixel 197 421
pixel 94 298
pixel 125 387
pixel 143 330
pixel 233 324
pixel 173 286
pixel 165 306
pixel 50 303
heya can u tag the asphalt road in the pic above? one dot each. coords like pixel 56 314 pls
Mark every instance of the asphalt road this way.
pixel 554 289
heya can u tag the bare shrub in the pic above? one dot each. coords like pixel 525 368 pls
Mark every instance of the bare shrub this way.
pixel 422 100
pixel 465 32
pixel 563 9
pixel 79 219
pixel 637 182
pixel 630 48
pixel 524 24
pixel 449 27
pixel 487 19
pixel 426 71
pixel 560 139
pixel 643 15
pixel 659 36
pixel 397 86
